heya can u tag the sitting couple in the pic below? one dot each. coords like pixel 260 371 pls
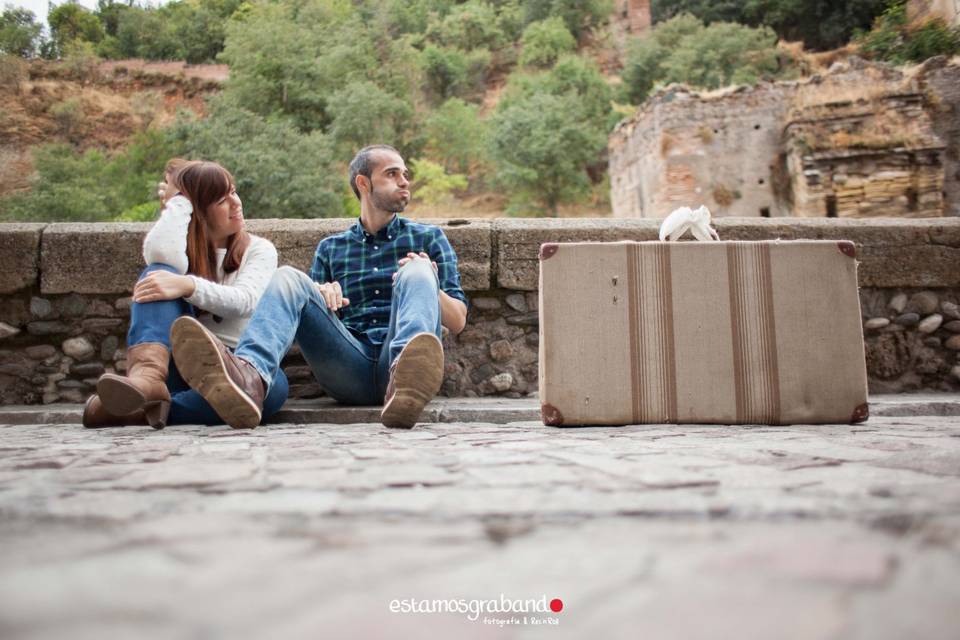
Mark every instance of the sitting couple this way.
pixel 367 319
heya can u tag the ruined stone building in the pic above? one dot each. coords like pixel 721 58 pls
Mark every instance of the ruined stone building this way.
pixel 862 140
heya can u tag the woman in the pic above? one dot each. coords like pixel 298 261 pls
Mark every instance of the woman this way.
pixel 201 262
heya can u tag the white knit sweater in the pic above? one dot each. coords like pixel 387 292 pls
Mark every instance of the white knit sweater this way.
pixel 235 295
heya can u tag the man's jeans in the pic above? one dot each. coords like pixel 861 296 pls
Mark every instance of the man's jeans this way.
pixel 150 322
pixel 350 369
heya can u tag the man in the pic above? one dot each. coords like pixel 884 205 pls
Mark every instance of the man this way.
pixel 367 318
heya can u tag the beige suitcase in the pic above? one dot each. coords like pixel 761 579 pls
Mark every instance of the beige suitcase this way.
pixel 701 332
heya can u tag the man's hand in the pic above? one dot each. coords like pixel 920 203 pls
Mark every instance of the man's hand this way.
pixel 332 295
pixel 413 256
pixel 163 285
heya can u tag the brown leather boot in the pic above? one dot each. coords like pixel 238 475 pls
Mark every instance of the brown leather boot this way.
pixel 231 385
pixel 95 416
pixel 415 377
pixel 143 389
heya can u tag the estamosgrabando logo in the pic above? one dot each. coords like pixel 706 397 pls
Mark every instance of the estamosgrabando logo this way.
pixel 474 608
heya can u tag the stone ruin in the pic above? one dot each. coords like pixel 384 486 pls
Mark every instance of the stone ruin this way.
pixel 863 140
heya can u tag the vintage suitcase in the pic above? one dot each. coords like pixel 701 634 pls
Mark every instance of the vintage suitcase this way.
pixel 701 332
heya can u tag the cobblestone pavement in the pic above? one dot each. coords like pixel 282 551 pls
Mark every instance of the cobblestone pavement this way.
pixel 312 531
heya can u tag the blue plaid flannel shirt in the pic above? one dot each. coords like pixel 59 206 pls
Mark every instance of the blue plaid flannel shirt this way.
pixel 364 265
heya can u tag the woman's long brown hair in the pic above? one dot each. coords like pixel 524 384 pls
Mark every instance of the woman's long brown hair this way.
pixel 203 183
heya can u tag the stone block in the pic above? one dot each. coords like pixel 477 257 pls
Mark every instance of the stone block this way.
pixel 518 242
pixel 19 255
pixel 91 257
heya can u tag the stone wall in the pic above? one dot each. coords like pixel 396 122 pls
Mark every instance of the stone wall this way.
pixel 733 149
pixel 65 298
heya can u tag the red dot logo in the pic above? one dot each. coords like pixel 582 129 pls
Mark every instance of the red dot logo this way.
pixel 556 605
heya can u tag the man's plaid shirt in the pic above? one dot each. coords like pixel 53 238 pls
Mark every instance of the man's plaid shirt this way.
pixel 364 265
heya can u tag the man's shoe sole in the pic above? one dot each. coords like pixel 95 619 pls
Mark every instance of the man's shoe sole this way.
pixel 200 364
pixel 417 380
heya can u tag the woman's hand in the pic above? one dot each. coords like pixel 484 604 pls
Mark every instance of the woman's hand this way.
pixel 163 285
pixel 332 295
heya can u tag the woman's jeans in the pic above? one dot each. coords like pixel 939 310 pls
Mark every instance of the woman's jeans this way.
pixel 150 322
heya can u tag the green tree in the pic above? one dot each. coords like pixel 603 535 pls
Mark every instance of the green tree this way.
pixel 363 114
pixel 685 50
pixel 579 15
pixel 19 32
pixel 821 24
pixel 455 136
pixel 541 149
pixel 280 172
pixel 544 41
pixel 471 25
pixel 70 22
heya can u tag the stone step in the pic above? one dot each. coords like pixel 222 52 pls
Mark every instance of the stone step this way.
pixel 461 410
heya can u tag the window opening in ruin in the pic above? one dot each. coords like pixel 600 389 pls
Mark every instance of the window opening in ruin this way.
pixel 831 206
pixel 911 199
pixel 764 212
pixel 760 181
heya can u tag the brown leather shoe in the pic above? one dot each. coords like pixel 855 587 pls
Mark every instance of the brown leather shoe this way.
pixel 144 388
pixel 96 416
pixel 231 385
pixel 415 377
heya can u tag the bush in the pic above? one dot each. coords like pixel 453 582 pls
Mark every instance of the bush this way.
pixel 684 50
pixel 895 40
pixel 545 41
pixel 70 22
pixel 90 186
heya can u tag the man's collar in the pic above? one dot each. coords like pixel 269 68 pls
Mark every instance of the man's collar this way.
pixel 389 232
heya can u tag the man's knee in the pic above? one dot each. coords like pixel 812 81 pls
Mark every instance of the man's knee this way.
pixel 419 272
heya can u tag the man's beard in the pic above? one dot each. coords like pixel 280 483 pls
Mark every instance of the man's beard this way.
pixel 383 203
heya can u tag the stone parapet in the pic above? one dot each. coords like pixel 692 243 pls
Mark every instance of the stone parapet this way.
pixel 19 256
pixel 64 298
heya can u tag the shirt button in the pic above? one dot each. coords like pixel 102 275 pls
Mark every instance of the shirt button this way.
pixel 374 322
pixel 376 291
pixel 376 269
pixel 375 247
pixel 389 237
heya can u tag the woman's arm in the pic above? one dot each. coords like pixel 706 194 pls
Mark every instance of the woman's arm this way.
pixel 239 298
pixel 166 242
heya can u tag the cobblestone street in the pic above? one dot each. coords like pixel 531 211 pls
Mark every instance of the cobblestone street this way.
pixel 313 531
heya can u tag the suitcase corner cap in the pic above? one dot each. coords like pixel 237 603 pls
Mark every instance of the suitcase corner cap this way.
pixel 551 415
pixel 847 248
pixel 860 414
pixel 547 250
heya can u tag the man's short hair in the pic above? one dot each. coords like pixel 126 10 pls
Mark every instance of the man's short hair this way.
pixel 361 165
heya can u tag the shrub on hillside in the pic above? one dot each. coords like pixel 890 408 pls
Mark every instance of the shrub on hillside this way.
pixel 545 41
pixel 685 50
pixel 455 136
pixel 20 32
pixel 895 40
